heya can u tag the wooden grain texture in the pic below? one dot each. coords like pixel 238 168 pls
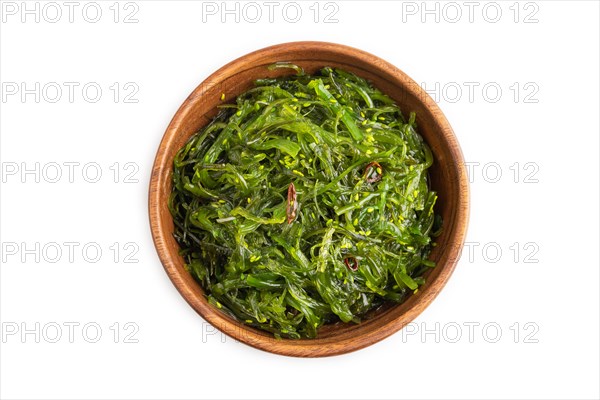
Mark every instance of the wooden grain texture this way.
pixel 447 176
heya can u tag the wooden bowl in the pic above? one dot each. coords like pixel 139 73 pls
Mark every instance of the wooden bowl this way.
pixel 447 177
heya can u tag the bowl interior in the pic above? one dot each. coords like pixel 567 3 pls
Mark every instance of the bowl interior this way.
pixel 447 177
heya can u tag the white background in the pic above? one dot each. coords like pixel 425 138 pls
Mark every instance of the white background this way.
pixel 538 300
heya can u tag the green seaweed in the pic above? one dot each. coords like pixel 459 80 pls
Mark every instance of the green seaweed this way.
pixel 305 203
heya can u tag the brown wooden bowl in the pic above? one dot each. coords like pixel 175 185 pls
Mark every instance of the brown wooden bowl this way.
pixel 447 177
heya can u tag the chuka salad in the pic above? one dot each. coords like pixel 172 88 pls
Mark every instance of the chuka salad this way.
pixel 305 203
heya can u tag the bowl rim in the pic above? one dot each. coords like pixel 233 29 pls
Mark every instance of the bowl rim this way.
pixel 317 347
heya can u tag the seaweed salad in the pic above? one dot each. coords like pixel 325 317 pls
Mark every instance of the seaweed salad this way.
pixel 305 203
